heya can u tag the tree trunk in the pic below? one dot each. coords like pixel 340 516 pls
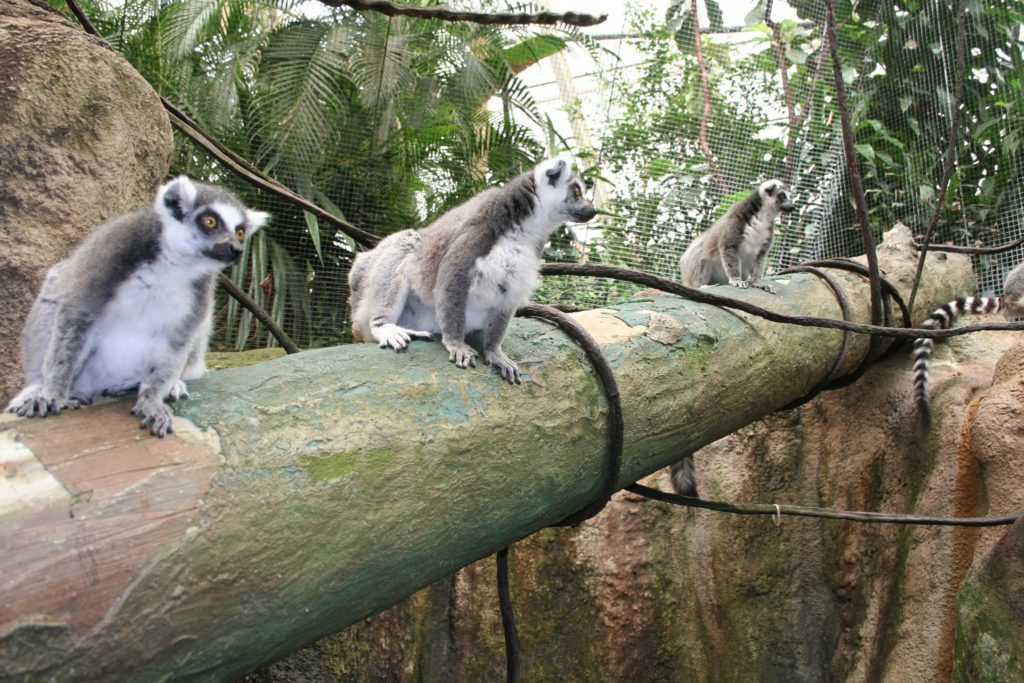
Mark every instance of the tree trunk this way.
pixel 300 495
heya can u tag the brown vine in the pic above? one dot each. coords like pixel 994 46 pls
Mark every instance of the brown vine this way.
pixel 705 83
pixel 447 14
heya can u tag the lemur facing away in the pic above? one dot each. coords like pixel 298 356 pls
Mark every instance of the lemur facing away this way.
pixel 468 270
pixel 133 305
pixel 1011 303
pixel 733 250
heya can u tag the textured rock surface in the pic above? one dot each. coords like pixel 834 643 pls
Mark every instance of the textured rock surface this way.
pixel 990 624
pixel 83 138
pixel 990 628
pixel 647 592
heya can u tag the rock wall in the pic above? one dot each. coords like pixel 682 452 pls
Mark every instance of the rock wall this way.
pixel 83 138
pixel 990 608
pixel 649 592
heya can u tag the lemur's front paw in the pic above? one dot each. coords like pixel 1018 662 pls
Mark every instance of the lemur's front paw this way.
pixel 742 284
pixel 35 400
pixel 509 370
pixel 392 336
pixel 761 284
pixel 462 354
pixel 178 392
pixel 156 416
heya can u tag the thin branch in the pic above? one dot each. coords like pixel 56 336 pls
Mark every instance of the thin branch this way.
pixel 513 650
pixel 705 296
pixel 952 248
pixel 954 129
pixel 705 83
pixel 795 121
pixel 239 295
pixel 822 513
pixel 447 14
pixel 856 185
pixel 256 177
pixel 83 19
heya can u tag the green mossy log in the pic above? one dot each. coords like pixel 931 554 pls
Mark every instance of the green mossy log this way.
pixel 302 494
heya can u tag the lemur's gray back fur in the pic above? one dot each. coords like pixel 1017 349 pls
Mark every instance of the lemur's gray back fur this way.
pixel 470 230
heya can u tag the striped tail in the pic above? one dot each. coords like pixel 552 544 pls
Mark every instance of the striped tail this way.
pixel 942 318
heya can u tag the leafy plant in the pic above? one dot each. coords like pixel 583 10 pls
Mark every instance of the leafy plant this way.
pixel 385 122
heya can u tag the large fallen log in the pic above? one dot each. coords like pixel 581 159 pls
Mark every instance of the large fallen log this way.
pixel 302 494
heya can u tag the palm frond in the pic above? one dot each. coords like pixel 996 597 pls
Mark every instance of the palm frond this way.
pixel 187 24
pixel 299 94
pixel 382 65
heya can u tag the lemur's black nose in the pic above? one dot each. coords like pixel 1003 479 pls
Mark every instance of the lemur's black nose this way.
pixel 226 252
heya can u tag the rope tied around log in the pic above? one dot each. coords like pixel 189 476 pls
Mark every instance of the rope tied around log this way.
pixel 829 382
pixel 513 648
pixel 613 466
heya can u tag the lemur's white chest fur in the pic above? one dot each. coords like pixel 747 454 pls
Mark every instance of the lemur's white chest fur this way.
pixel 135 324
pixel 506 276
pixel 756 234
pixel 503 279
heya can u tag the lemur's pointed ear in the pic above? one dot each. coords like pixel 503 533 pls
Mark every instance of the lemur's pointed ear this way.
pixel 177 197
pixel 255 220
pixel 770 189
pixel 555 171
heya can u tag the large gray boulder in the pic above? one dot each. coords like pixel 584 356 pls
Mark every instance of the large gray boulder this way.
pixel 83 138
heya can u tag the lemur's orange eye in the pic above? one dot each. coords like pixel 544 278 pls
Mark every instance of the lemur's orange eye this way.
pixel 240 233
pixel 209 221
pixel 576 191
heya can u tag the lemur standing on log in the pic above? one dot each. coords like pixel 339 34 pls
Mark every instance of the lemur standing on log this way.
pixel 732 251
pixel 1011 303
pixel 468 270
pixel 133 305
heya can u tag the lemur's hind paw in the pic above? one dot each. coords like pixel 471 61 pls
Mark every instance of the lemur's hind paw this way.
pixel 509 370
pixel 462 354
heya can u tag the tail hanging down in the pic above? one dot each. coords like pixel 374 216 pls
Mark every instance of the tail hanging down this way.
pixel 942 318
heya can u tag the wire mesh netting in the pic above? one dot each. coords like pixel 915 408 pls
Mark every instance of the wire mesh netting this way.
pixel 674 110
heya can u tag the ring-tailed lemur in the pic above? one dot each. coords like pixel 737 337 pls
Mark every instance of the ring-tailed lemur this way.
pixel 733 250
pixel 468 270
pixel 1011 303
pixel 133 305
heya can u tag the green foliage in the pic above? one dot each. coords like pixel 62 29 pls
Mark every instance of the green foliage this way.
pixel 388 122
pixel 898 64
pixel 902 67
pixel 384 122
